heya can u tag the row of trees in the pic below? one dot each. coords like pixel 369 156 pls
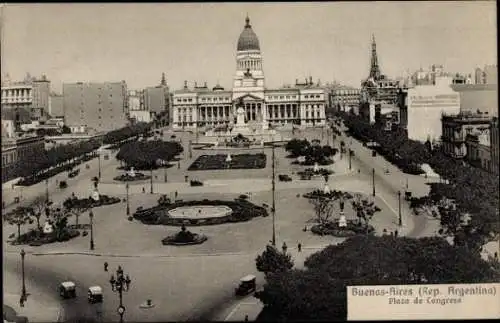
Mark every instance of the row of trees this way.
pixel 148 154
pixel 119 135
pixel 319 292
pixel 474 190
pixel 35 162
pixel 312 151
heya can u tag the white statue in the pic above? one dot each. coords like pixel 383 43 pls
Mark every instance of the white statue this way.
pixel 240 116
pixel 316 167
pixel 228 158
pixel 48 228
pixel 95 196
pixel 326 190
pixel 131 172
pixel 342 222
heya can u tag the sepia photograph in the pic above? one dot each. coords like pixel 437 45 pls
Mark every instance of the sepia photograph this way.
pixel 254 161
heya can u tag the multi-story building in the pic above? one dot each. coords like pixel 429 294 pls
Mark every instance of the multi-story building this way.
pixel 422 106
pixel 302 104
pixel 157 100
pixel 455 129
pixel 56 109
pixel 95 107
pixel 15 150
pixel 135 100
pixel 344 98
pixel 478 152
pixel 377 87
pixel 31 94
pixel 478 98
pixel 427 77
pixel 488 75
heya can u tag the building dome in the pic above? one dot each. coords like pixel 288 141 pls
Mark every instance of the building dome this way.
pixel 248 39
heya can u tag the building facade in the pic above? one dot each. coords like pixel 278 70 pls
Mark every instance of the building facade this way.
pixel 31 95
pixel 478 98
pixel 135 100
pixel 15 150
pixel 478 152
pixel 198 106
pixel 423 106
pixel 456 128
pixel 157 100
pixel 344 98
pixel 95 107
pixel 56 109
pixel 487 75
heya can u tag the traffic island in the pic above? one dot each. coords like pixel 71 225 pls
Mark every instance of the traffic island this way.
pixel 196 213
pixel 228 161
pixel 184 238
pixel 334 228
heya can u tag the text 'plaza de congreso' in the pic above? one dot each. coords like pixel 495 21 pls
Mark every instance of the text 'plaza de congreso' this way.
pixel 200 107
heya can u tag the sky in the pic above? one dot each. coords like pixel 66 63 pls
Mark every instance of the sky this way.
pixel 197 41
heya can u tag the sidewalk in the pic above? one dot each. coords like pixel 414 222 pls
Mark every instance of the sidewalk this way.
pixel 38 307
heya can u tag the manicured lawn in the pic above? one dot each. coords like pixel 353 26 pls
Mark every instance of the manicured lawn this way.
pixel 218 161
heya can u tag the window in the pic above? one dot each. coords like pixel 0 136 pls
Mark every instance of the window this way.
pixel 306 96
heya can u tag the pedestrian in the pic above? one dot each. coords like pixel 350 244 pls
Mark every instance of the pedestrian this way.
pixel 143 190
pixel 496 255
pixel 299 246
pixel 384 232
pixel 284 247
pixel 176 193
pixel 106 266
pixel 246 318
pixel 392 234
pixel 396 233
pixel 359 171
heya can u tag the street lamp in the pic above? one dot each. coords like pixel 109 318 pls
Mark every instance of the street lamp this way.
pixel 91 216
pixel 350 154
pixel 99 163
pixel 399 209
pixel 151 181
pixel 165 172
pixel 373 181
pixel 47 190
pixel 23 292
pixel 120 284
pixel 128 204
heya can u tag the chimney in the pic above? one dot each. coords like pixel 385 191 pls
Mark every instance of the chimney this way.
pixel 195 84
pixel 205 85
pixel 310 80
pixel 296 81
pixel 185 84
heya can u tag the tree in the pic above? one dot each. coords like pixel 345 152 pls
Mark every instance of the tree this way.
pixel 66 129
pixel 59 219
pixel 319 291
pixel 18 217
pixel 37 207
pixel 323 207
pixel 76 206
pixel 364 210
pixel 297 147
pixel 272 261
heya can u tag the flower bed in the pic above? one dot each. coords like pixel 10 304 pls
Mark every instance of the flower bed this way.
pixel 238 161
pixel 242 210
pixel 127 178
pixel 332 228
pixel 36 238
pixel 103 200
pixel 333 194
pixel 311 172
pixel 184 238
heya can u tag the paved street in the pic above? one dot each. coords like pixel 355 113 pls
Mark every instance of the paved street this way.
pixel 201 278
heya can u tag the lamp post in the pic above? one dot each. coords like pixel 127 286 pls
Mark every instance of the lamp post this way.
pixel 120 284
pixel 151 181
pixel 165 173
pixel 273 210
pixel 128 203
pixel 91 216
pixel 23 291
pixel 373 181
pixel 99 163
pixel 399 209
pixel 350 154
pixel 47 190
pixel 190 150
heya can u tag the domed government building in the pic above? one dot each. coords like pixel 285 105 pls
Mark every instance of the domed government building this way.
pixel 201 107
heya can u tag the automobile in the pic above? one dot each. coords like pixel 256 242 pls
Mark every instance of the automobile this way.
pixel 95 294
pixel 74 173
pixel 247 285
pixel 284 178
pixel 67 289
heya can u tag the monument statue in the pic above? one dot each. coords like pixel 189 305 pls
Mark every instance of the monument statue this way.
pixel 240 117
